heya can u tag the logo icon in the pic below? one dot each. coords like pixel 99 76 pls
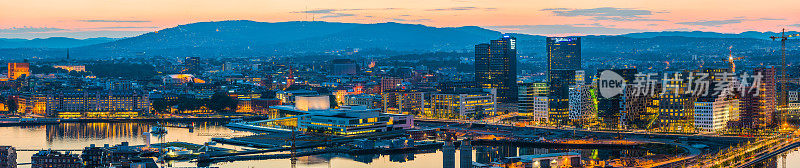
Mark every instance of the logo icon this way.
pixel 610 84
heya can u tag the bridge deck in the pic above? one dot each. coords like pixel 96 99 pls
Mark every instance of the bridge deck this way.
pixel 769 155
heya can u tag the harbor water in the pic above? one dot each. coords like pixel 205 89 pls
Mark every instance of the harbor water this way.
pixel 80 135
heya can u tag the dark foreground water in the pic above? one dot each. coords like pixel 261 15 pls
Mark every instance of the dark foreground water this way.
pixel 80 135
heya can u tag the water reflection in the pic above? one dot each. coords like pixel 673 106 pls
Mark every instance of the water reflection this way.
pixel 79 135
pixel 448 155
pixel 403 157
pixel 95 130
pixel 366 158
pixel 100 131
pixel 482 154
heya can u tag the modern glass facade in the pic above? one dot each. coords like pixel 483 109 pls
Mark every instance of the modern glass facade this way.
pixel 610 109
pixel 533 100
pixel 343 124
pixel 496 67
pixel 97 104
pixel 564 53
pixel 558 95
pixel 563 59
pixel 676 107
pixel 403 102
pixel 462 104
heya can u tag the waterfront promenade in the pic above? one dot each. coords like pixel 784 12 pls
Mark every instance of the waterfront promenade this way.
pixel 723 139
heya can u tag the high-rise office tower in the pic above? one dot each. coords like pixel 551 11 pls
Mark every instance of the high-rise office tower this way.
pixel 639 111
pixel 558 95
pixel 757 106
pixel 16 70
pixel 496 67
pixel 564 53
pixel 714 110
pixel 676 106
pixel 563 59
pixel 610 109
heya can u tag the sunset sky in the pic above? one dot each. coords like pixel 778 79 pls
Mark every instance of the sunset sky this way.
pixel 124 18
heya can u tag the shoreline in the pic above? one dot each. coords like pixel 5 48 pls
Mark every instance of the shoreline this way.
pixel 52 121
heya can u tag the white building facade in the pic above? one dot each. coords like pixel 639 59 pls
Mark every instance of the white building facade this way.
pixel 713 116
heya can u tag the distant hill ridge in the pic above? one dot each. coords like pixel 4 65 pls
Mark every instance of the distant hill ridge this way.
pixel 52 42
pixel 248 38
pixel 700 34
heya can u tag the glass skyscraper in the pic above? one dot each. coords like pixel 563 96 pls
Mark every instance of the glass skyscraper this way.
pixel 563 59
pixel 496 67
pixel 558 95
pixel 564 53
pixel 610 109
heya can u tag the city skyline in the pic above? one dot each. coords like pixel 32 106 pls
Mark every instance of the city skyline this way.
pixel 418 106
pixel 502 83
pixel 87 18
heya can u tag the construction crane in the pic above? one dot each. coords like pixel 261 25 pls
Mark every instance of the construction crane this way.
pixel 783 97
pixel 730 59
